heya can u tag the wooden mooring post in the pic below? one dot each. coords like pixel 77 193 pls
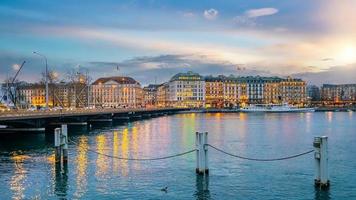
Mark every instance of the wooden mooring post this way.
pixel 61 145
pixel 321 162
pixel 201 142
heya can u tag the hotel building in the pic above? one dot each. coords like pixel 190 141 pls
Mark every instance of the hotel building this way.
pixel 186 90
pixel 214 92
pixel 223 92
pixel 293 91
pixel 116 92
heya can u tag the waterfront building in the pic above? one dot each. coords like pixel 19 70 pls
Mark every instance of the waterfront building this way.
pixel 116 92
pixel 65 95
pixel 214 92
pixel 231 91
pixel 222 91
pixel 275 90
pixel 150 95
pixel 228 92
pixel 33 95
pixel 313 92
pixel 187 90
pixel 272 90
pixel 255 88
pixel 163 95
pixel 338 93
pixel 294 91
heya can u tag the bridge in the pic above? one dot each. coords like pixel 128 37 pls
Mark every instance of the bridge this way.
pixel 46 121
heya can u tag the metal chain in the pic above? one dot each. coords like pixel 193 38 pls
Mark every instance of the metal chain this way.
pixel 258 159
pixel 137 159
pixel 187 152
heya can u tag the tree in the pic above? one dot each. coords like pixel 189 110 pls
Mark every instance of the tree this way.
pixel 79 80
pixel 11 91
pixel 53 77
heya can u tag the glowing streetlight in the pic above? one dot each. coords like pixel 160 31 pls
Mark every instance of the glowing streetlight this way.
pixel 46 79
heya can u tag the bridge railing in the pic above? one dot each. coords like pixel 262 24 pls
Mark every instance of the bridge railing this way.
pixel 24 113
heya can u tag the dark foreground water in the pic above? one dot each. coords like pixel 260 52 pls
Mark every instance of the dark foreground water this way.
pixel 27 170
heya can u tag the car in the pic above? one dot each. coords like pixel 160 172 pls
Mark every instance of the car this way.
pixel 32 109
pixel 56 108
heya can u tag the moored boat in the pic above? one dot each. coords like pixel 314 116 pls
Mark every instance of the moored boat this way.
pixel 275 108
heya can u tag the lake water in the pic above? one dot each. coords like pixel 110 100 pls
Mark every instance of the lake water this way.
pixel 27 162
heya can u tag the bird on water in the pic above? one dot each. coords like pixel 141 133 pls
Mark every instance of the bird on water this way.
pixel 165 189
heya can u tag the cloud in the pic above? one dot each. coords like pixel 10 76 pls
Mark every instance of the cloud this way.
pixel 327 59
pixel 250 16
pixel 333 75
pixel 211 14
pixel 254 13
pixel 15 66
pixel 162 67
pixel 103 63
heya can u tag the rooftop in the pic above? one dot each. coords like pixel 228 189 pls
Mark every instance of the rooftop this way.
pixel 118 79
pixel 189 76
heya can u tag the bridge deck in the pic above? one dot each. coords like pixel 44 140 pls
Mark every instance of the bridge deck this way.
pixel 22 115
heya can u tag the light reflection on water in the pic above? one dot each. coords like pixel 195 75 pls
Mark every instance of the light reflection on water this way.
pixel 19 176
pixel 81 167
pixel 31 173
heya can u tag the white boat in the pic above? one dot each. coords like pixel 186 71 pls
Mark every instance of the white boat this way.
pixel 275 108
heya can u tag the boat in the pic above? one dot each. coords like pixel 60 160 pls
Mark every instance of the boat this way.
pixel 275 108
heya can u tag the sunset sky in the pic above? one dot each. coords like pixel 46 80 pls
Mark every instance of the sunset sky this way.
pixel 148 40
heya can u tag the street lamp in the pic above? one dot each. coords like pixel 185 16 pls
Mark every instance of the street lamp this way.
pixel 46 79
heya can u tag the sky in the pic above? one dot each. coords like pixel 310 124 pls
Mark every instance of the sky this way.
pixel 152 40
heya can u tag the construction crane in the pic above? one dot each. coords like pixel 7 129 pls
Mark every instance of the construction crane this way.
pixel 9 91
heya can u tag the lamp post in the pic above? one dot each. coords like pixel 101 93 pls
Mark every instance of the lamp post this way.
pixel 46 79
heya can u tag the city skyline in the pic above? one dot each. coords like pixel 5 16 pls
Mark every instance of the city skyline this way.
pixel 152 40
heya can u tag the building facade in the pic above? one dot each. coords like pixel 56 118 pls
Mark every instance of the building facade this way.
pixel 229 91
pixel 116 92
pixel 33 95
pixel 163 96
pixel 150 95
pixel 313 92
pixel 214 92
pixel 338 93
pixel 223 91
pixel 186 90
pixel 293 91
pixel 65 95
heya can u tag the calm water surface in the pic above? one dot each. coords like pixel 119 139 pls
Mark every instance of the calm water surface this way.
pixel 27 170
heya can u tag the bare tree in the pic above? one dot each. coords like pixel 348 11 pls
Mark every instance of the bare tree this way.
pixel 53 77
pixel 79 80
pixel 11 88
